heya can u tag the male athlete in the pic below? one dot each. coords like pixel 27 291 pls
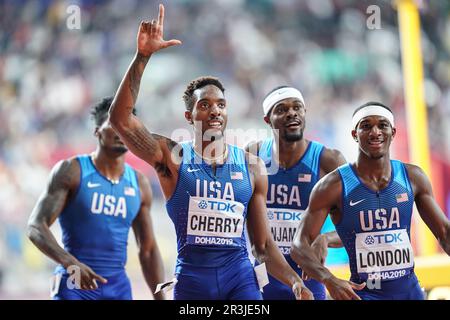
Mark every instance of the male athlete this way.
pixel 212 189
pixel 375 197
pixel 97 198
pixel 294 164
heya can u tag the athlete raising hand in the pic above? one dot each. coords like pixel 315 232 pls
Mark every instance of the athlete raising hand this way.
pixel 150 36
pixel 212 192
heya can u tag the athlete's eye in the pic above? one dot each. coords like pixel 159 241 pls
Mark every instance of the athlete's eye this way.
pixel 221 105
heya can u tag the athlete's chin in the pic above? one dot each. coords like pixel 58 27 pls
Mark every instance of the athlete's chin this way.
pixel 293 136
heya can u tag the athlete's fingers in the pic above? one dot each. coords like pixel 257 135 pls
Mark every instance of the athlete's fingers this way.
pixel 153 27
pixel 357 286
pixel 142 26
pixel 99 278
pixel 170 43
pixel 161 15
pixel 353 295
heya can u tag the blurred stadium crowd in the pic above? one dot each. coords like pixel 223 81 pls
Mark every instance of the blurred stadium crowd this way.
pixel 51 75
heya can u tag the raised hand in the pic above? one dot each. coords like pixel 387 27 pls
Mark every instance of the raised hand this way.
pixel 150 36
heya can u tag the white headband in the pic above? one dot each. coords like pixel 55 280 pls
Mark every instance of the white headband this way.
pixel 372 110
pixel 278 95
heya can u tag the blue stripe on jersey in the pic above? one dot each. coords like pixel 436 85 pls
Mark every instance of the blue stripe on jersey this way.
pixel 375 226
pixel 208 210
pixel 96 222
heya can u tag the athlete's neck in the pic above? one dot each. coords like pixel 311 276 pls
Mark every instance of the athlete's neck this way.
pixel 374 172
pixel 211 151
pixel 110 165
pixel 289 152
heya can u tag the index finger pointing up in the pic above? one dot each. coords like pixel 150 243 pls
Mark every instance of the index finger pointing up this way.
pixel 161 15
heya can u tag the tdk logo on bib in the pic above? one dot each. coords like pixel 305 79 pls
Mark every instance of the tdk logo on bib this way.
pixel 387 238
pixel 283 225
pixel 217 205
pixel 284 215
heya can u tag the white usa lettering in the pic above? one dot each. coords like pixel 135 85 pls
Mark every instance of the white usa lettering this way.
pixel 108 205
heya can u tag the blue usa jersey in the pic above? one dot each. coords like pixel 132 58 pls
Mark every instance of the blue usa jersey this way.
pixel 209 210
pixel 96 222
pixel 289 190
pixel 375 226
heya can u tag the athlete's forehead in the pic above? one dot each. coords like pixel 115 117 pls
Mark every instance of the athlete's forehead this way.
pixel 373 119
pixel 210 92
pixel 289 101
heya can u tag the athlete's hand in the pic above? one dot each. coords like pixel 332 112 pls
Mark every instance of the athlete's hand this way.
pixel 87 278
pixel 320 247
pixel 301 292
pixel 150 36
pixel 342 289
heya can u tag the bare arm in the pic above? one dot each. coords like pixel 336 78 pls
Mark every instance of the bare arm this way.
pixel 324 197
pixel 263 244
pixel 64 180
pixel 149 254
pixel 154 149
pixel 330 160
pixel 428 209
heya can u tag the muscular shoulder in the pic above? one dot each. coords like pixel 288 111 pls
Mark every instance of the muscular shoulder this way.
pixel 328 190
pixel 253 147
pixel 330 159
pixel 65 174
pixel 418 178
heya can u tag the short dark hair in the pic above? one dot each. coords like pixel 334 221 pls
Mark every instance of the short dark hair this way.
pixel 188 96
pixel 372 103
pixel 99 111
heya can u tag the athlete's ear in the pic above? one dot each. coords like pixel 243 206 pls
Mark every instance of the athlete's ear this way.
pixel 188 116
pixel 96 131
pixel 267 120
pixel 354 135
pixel 394 131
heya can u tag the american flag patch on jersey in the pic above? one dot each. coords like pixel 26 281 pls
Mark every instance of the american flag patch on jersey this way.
pixel 304 177
pixel 129 191
pixel 401 197
pixel 236 175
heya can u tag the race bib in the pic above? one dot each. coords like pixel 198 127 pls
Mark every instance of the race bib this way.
pixel 384 254
pixel 283 225
pixel 214 221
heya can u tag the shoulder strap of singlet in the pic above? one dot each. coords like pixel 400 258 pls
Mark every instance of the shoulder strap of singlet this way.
pixel 312 156
pixel 131 175
pixel 86 166
pixel 400 174
pixel 349 179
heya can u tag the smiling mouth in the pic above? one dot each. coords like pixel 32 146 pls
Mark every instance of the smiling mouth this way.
pixel 376 143
pixel 215 124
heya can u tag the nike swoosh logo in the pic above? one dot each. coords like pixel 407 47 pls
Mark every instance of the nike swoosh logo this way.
pixel 192 170
pixel 355 203
pixel 93 185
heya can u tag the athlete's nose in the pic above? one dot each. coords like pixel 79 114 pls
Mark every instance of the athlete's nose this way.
pixel 215 110
pixel 375 131
pixel 291 113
